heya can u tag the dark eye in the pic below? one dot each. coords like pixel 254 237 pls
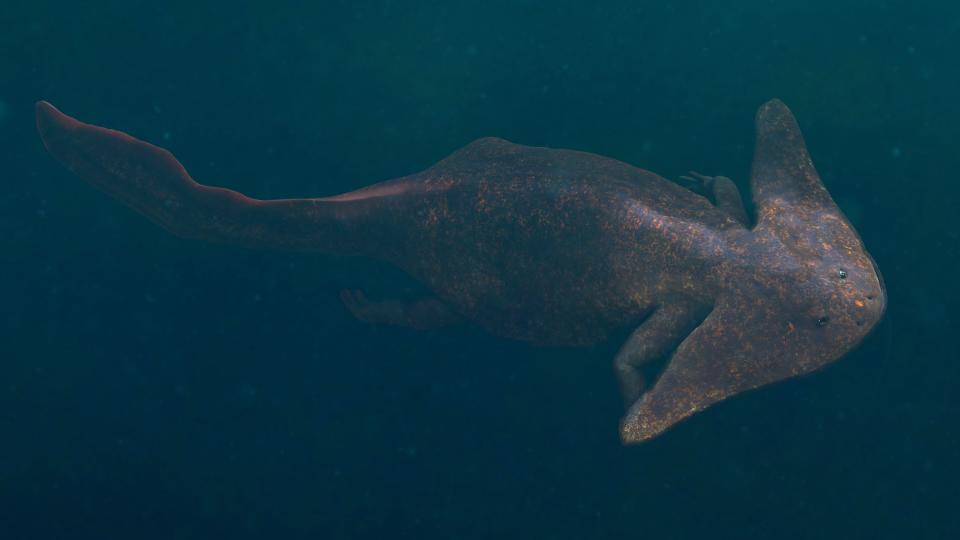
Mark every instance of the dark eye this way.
pixel 822 321
pixel 842 274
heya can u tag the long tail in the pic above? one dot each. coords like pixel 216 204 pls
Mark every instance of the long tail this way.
pixel 150 180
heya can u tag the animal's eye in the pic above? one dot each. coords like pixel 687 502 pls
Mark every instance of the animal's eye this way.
pixel 842 274
pixel 822 321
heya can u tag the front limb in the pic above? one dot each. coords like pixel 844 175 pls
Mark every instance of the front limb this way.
pixel 655 338
pixel 724 192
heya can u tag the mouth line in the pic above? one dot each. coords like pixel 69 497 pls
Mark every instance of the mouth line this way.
pixel 883 285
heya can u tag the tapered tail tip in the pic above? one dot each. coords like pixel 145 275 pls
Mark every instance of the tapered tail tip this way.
pixel 49 119
pixel 45 106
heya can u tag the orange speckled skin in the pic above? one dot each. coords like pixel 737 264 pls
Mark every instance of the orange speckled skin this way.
pixel 551 246
pixel 564 247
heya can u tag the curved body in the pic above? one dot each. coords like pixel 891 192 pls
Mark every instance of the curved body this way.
pixel 551 246
pixel 564 247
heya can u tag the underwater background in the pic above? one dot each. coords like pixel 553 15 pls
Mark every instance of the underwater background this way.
pixel 159 388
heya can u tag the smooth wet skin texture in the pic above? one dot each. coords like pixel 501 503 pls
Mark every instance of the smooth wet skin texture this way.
pixel 565 248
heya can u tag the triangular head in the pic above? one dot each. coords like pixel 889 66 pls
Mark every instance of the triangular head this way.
pixel 566 248
pixel 797 292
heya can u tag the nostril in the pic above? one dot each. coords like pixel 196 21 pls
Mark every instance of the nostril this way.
pixel 859 323
pixel 869 297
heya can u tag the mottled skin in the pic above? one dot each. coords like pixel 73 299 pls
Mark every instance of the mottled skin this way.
pixel 563 247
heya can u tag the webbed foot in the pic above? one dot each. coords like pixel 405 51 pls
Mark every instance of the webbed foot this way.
pixel 697 182
pixel 423 314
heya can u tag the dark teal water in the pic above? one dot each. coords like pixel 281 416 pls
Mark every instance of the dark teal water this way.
pixel 152 387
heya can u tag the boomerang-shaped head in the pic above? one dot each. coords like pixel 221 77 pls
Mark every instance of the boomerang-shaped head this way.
pixel 800 292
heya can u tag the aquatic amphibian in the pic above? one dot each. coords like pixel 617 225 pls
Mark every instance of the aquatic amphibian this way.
pixel 564 247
